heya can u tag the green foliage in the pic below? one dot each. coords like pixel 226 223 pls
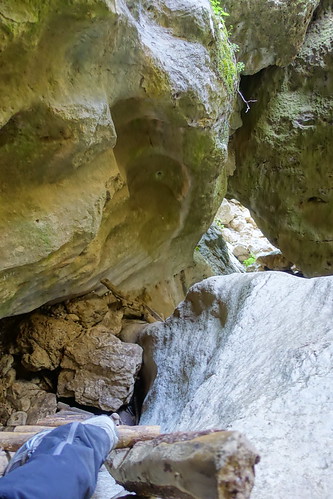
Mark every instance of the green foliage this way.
pixel 226 63
pixel 249 260
pixel 240 66
pixel 217 9
pixel 219 223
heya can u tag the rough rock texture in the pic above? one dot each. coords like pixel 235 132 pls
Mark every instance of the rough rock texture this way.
pixel 273 261
pixel 114 129
pixel 217 465
pixel 27 397
pixel 284 151
pixel 7 378
pixel 91 310
pixel 240 231
pixel 71 348
pixel 99 370
pixel 42 340
pixel 215 251
pixel 268 32
pixel 254 353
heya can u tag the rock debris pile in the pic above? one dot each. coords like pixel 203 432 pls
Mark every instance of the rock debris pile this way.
pixel 246 241
pixel 71 350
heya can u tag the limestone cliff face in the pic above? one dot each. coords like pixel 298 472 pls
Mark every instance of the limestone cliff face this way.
pixel 284 151
pixel 114 127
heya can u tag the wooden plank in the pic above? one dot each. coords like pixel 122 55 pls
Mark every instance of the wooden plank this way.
pixel 128 436
pixel 61 418
pixel 31 428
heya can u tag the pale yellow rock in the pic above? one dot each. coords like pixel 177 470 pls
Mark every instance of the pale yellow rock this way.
pixel 27 397
pixel 90 310
pixel 114 130
pixel 42 339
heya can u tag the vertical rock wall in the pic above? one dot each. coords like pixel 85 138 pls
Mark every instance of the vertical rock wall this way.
pixel 284 150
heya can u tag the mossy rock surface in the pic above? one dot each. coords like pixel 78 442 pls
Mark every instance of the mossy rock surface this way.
pixel 284 152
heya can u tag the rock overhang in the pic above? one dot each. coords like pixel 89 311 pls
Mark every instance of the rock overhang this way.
pixel 113 142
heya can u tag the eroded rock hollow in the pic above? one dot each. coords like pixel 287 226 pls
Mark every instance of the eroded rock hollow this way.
pixel 114 130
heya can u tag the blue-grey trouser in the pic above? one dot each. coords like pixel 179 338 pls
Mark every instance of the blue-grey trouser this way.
pixel 64 465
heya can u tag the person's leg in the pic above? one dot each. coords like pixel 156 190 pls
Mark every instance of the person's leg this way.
pixel 65 464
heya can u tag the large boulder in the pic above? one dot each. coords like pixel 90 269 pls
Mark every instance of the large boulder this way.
pixel 99 370
pixel 114 130
pixel 252 352
pixel 284 151
pixel 73 349
pixel 268 32
pixel 192 465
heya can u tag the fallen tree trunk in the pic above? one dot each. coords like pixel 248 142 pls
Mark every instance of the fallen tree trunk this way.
pixel 214 464
pixel 128 435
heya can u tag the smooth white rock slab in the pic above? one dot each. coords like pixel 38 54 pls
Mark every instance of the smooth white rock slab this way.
pixel 253 353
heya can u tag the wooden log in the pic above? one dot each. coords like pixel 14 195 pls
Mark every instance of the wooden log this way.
pixel 31 428
pixel 61 418
pixel 65 407
pixel 128 436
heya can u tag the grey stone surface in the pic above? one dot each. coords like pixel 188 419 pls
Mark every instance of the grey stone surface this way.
pixel 106 487
pixel 252 353
pixel 26 396
pixel 215 252
pixel 99 370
